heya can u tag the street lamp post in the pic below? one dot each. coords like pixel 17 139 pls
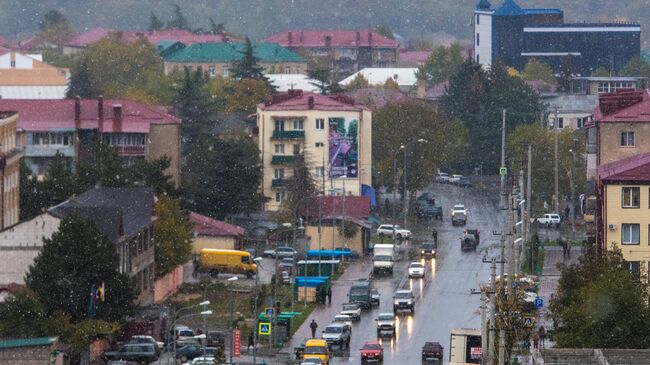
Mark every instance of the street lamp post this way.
pixel 258 261
pixel 232 326
pixel 175 318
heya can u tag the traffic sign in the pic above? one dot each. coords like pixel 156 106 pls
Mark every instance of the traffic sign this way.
pixel 539 302
pixel 528 321
pixel 264 328
pixel 269 312
pixel 503 171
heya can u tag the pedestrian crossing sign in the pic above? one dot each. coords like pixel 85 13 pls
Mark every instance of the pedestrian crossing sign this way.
pixel 503 171
pixel 264 328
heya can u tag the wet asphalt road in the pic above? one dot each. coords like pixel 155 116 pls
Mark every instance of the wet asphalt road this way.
pixel 443 299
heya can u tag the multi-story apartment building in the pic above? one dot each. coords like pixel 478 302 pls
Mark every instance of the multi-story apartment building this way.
pixel 9 170
pixel 332 133
pixel 347 51
pixel 73 127
pixel 26 76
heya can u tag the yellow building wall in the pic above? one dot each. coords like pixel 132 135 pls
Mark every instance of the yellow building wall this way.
pixel 331 234
pixel 222 242
pixel 610 148
pixel 223 69
pixel 616 215
pixel 316 157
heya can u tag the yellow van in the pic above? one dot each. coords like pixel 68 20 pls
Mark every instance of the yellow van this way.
pixel 215 261
pixel 317 349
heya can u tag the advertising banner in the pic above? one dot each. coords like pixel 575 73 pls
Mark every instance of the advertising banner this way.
pixel 343 147
pixel 236 341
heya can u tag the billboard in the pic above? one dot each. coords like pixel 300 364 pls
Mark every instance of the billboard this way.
pixel 343 147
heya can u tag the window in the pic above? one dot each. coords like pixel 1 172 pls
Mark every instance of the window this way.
pixel 279 197
pixel 279 125
pixel 296 149
pixel 478 60
pixel 13 64
pixel 212 71
pixel 320 123
pixel 279 148
pixel 226 72
pixel 580 122
pixel 630 234
pixel 478 19
pixel 319 171
pixel 635 269
pixel 560 123
pixel 279 173
pixel 298 124
pixel 627 139
pixel 478 39
pixel 631 197
pixel 319 144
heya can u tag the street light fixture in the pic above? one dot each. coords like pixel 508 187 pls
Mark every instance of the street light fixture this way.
pixel 206 313
pixel 232 326
pixel 207 302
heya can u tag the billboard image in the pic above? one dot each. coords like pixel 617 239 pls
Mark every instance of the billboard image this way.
pixel 343 147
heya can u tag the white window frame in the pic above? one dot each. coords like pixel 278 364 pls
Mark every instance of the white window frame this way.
pixel 320 123
pixel 279 148
pixel 278 125
pixel 279 197
pixel 278 173
pixel 298 125
pixel 627 234
pixel 627 197
pixel 628 139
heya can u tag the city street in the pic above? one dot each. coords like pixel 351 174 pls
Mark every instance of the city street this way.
pixel 443 299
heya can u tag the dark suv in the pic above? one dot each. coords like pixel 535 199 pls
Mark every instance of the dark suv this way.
pixel 142 353
pixel 428 250
pixel 217 339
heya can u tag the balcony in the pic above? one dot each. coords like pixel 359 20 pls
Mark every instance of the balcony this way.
pixel 278 183
pixel 130 150
pixel 288 135
pixel 283 159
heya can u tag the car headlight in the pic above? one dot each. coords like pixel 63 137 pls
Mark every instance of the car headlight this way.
pixel 396 302
pixel 422 251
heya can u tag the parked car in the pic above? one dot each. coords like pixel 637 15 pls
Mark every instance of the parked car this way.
pixel 146 339
pixel 190 352
pixel 549 220
pixel 454 179
pixel 404 299
pixel 432 350
pixel 374 297
pixel 312 361
pixel 183 333
pixel 442 178
pixel 217 338
pixel 416 270
pixel 353 310
pixel 203 360
pixel 287 262
pixel 285 252
pixel 393 230
pixel 338 334
pixel 464 182
pixel 386 323
pixel 142 353
pixel 269 253
pixel 372 351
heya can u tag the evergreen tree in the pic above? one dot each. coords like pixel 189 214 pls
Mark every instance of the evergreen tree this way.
pixel 54 29
pixel 537 70
pixel 103 167
pixel 32 199
pixel 191 103
pixel 59 183
pixel 359 82
pixel 391 84
pixel 217 28
pixel 637 67
pixel 155 23
pixel 442 63
pixel 299 185
pixel 81 83
pixel 151 173
pixel 247 67
pixel 76 258
pixel 22 316
pixel 178 19
pixel 172 234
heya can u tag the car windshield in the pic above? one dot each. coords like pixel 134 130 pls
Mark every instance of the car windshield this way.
pixel 403 295
pixel 417 265
pixel 427 246
pixel 334 329
pixel 342 319
pixel 386 317
pixel 371 346
pixel 382 258
pixel 316 350
pixel 350 307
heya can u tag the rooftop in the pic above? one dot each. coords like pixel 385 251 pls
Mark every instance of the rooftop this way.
pixel 299 100
pixel 414 57
pixel 331 38
pixel 206 226
pixel 27 342
pixel 404 76
pixel 574 102
pixel 231 52
pixel 635 168
pixel 624 105
pixel 509 8
pixel 176 35
pixel 49 114
pixel 286 82
pixel 583 25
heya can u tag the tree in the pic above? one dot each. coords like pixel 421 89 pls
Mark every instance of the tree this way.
pixel 299 185
pixel 600 304
pixel 441 64
pixel 22 316
pixel 151 173
pixel 221 176
pixel 75 259
pixel 172 234
pixel 247 67
pixel 536 70
pixel 103 167
pixel 178 19
pixel 217 28
pixel 81 83
pixel 54 29
pixel 385 30
pixel 191 103
pixel 602 72
pixel 32 199
pixel 637 67
pixel 155 23
pixel 359 82
pixel 430 140
pixel 244 95
pixel 391 84
pixel 59 182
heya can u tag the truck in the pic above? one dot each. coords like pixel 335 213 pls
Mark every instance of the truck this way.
pixel 383 258
pixel 465 346
pixel 360 293
pixel 458 215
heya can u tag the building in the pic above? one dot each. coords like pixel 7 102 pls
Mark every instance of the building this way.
pixel 572 111
pixel 124 215
pixel 26 76
pixel 514 35
pixel 404 77
pixel 79 42
pixel 218 58
pixel 333 134
pixel 72 127
pixel 10 156
pixel 346 51
pixel 406 58
pixel 29 351
pixel 285 82
pixel 623 198
pixel 600 85
pixel 213 233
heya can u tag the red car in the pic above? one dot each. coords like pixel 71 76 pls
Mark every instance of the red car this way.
pixel 372 351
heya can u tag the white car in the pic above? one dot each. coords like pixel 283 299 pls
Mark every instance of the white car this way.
pixel 454 179
pixel 389 229
pixel 549 219
pixel 353 310
pixel 203 360
pixel 442 177
pixel 385 323
pixel 416 270
pixel 343 318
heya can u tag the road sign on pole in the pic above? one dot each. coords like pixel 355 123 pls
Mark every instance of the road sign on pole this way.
pixel 503 171
pixel 539 302
pixel 269 312
pixel 264 328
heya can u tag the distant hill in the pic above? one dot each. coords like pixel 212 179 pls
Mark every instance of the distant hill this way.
pixel 258 18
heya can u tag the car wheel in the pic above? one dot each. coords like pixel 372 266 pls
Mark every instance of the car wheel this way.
pixel 249 274
pixel 214 273
pixel 381 234
pixel 394 310
pixel 184 358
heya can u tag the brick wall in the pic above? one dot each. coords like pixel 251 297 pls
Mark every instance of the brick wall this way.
pixel 168 284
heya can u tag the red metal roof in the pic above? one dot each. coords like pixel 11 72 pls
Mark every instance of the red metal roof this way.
pixel 413 56
pixel 298 100
pixel 357 207
pixel 48 114
pixel 635 168
pixel 331 38
pixel 625 105
pixel 177 35
pixel 206 226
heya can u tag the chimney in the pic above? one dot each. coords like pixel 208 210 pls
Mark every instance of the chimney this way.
pixel 100 113
pixel 358 38
pixel 77 112
pixel 290 38
pixel 310 102
pixel 369 39
pixel 117 117
pixel 328 41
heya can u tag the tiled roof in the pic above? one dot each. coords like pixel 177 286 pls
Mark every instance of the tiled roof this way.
pixel 45 115
pixel 623 106
pixel 206 226
pixel 335 38
pixel 175 35
pixel 297 100
pixel 7 43
pixel 376 98
pixel 635 168
pixel 27 342
pixel 436 91
pixel 337 206
pixel 415 57
pixel 231 52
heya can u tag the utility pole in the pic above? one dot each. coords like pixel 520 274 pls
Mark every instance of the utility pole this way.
pixel 529 189
pixel 394 188
pixel 511 254
pixel 503 159
pixel 556 197
pixel 406 197
pixel 493 309
pixel 484 326
pixel 502 347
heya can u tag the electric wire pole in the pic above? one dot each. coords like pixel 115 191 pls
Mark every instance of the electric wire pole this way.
pixel 556 197
pixel 503 160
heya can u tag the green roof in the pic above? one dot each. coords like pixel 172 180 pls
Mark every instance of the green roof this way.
pixel 27 342
pixel 231 52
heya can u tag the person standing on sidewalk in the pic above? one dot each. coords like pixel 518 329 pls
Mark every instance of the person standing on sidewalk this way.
pixel 251 341
pixel 434 234
pixel 329 295
pixel 314 326
pixel 542 335
pixel 536 340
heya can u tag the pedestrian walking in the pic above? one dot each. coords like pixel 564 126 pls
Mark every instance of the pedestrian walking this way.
pixel 536 340
pixel 329 295
pixel 251 341
pixel 567 210
pixel 195 264
pixel 564 249
pixel 434 234
pixel 542 335
pixel 568 251
pixel 314 326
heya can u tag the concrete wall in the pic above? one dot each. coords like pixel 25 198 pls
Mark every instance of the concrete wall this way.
pixel 221 242
pixel 35 355
pixel 165 140
pixel 168 285
pixel 609 143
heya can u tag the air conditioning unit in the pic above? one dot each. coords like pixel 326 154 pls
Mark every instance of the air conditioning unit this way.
pixel 612 227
